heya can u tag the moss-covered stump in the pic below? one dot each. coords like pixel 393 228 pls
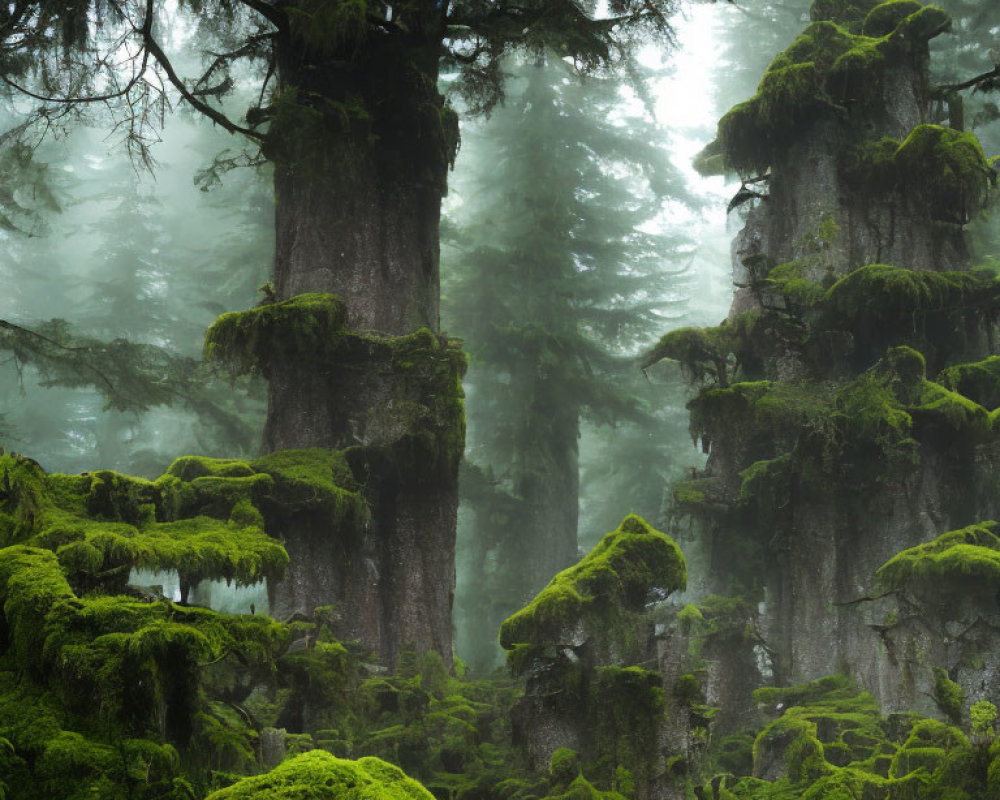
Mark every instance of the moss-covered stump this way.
pixel 580 641
pixel 317 775
pixel 587 604
pixel 394 405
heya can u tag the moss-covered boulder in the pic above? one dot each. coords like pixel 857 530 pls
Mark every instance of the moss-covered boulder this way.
pixel 318 775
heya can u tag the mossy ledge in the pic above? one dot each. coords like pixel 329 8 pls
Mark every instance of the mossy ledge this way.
pixel 616 577
pixel 247 341
pixel 960 561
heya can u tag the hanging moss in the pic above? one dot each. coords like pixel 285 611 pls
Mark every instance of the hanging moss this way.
pixel 317 775
pixel 895 292
pixel 617 576
pixel 962 561
pixel 948 696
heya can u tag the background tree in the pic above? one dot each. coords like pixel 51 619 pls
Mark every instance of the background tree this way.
pixel 556 280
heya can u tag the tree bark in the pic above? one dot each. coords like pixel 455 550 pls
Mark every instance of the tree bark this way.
pixel 362 141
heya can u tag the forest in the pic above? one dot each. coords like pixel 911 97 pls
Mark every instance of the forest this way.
pixel 492 400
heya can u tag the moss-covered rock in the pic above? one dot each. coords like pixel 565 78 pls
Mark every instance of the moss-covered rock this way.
pixel 963 560
pixel 616 577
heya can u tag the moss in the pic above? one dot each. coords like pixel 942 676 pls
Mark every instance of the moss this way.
pixel 702 352
pixel 842 12
pixel 793 281
pixel 944 167
pixel 306 325
pixel 948 696
pixel 318 775
pixel 827 68
pixel 830 687
pixel 897 293
pixel 885 17
pixel 960 560
pixel 617 576
pixel 317 480
pixel 564 766
pixel 979 381
pixel 926 747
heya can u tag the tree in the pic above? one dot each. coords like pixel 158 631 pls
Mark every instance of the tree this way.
pixel 555 282
pixel 361 140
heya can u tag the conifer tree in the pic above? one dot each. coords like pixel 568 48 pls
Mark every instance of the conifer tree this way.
pixel 555 281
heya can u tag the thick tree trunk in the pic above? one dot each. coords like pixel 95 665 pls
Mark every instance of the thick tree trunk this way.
pixel 361 141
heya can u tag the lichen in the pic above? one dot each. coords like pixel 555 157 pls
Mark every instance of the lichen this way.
pixel 617 576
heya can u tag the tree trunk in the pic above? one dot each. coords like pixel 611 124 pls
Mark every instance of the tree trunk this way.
pixel 362 140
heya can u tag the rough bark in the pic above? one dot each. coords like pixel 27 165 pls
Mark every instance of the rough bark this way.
pixel 362 140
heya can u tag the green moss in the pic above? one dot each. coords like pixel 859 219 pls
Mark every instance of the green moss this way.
pixel 949 696
pixel 895 292
pixel 318 775
pixel 617 576
pixel 564 766
pixel 959 560
pixel 979 381
pixel 314 479
pixel 702 352
pixel 792 280
pixel 944 166
pixel 885 18
pixel 827 68
pixel 305 326
pixel 842 12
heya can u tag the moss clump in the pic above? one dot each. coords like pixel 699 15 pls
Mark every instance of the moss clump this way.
pixel 827 68
pixel 702 352
pixel 616 577
pixel 949 696
pixel 897 292
pixel 979 381
pixel 842 12
pixel 886 17
pixel 317 775
pixel 944 167
pixel 958 561
pixel 305 326
pixel 315 479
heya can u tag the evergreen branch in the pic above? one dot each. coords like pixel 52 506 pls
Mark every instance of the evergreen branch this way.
pixel 217 117
pixel 986 77
pixel 144 31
